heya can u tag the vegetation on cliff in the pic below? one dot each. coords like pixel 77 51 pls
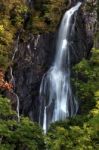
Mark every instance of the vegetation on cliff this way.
pixel 80 132
pixel 11 20
pixel 44 16
pixel 86 81
pixel 16 17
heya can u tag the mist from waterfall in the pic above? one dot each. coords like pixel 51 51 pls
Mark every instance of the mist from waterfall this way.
pixel 56 98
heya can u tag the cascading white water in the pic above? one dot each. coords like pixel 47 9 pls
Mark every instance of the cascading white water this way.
pixel 12 81
pixel 57 100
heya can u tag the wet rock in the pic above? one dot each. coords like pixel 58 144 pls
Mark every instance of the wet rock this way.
pixel 32 60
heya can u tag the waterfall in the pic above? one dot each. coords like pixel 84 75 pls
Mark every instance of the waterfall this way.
pixel 36 41
pixel 12 80
pixel 29 2
pixel 56 99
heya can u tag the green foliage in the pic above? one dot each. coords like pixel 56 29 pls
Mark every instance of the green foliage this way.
pixel 46 15
pixel 80 133
pixel 86 81
pixel 7 29
pixel 16 16
pixel 86 137
pixel 5 107
pixel 14 135
pixel 53 10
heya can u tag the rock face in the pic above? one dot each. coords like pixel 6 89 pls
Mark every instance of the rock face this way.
pixel 35 56
pixel 31 61
pixel 91 19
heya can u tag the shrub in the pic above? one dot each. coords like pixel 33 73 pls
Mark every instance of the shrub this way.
pixel 14 135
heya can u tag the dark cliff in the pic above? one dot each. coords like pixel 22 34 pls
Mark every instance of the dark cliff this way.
pixel 32 60
pixel 35 56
